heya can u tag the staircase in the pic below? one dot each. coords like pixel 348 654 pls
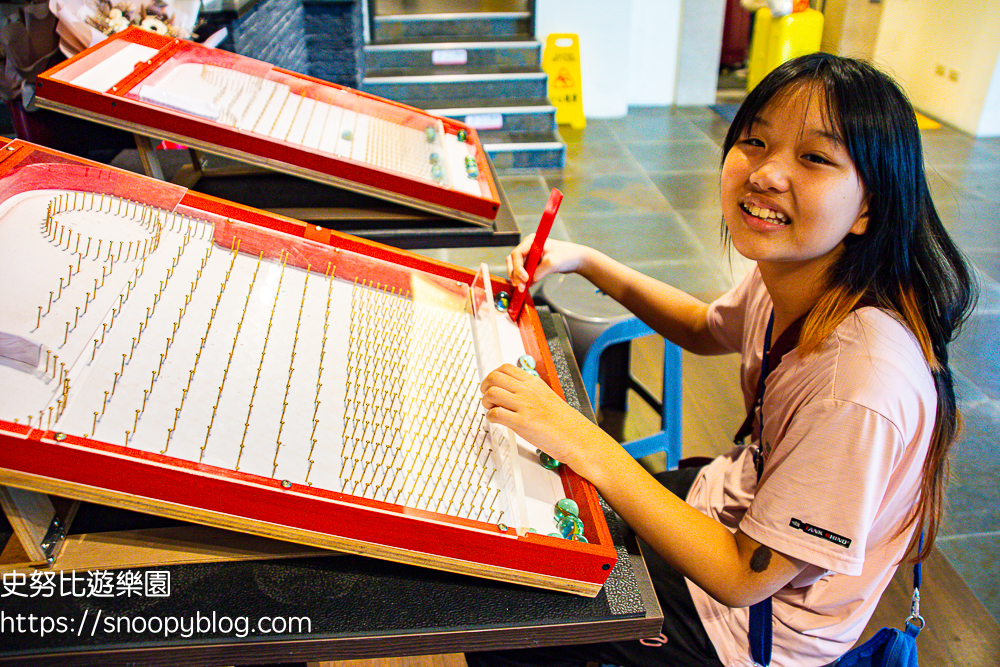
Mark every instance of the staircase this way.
pixel 480 68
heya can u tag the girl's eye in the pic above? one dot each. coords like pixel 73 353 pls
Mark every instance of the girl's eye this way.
pixel 753 141
pixel 818 159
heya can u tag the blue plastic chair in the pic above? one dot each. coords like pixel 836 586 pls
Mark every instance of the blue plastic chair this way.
pixel 668 439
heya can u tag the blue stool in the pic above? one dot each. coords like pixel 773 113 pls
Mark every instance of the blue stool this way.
pixel 668 439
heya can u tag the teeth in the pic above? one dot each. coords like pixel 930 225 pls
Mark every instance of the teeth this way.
pixel 765 213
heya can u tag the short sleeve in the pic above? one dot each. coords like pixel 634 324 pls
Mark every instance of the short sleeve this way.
pixel 823 484
pixel 727 315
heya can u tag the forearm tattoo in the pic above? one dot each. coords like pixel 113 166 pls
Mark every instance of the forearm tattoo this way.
pixel 760 559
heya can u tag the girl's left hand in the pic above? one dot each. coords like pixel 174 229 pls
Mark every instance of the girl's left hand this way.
pixel 536 413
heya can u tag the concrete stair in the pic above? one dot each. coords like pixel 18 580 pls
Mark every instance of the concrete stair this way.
pixel 480 68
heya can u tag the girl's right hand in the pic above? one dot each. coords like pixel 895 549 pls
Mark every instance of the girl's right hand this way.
pixel 557 257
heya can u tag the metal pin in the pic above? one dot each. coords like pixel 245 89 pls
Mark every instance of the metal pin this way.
pixel 59 296
pixel 66 336
pixel 76 318
pixel 115 385
pixel 105 404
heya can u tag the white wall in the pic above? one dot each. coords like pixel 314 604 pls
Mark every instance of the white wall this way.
pixel 653 52
pixel 700 51
pixel 628 49
pixel 850 27
pixel 917 36
pixel 989 121
pixel 604 31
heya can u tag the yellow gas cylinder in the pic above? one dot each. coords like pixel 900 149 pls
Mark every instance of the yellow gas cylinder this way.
pixel 778 40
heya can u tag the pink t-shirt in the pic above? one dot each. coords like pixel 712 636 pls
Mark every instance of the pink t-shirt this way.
pixel 849 427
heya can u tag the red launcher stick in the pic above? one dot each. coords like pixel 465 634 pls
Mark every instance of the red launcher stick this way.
pixel 535 254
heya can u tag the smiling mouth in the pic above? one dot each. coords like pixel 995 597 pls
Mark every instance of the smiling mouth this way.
pixel 765 214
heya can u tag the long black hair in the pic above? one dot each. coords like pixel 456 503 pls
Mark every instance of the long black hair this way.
pixel 904 262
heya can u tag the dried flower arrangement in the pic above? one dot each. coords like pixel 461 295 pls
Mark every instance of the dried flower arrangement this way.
pixel 111 17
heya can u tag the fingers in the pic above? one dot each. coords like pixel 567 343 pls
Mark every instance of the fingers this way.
pixel 505 377
pixel 515 263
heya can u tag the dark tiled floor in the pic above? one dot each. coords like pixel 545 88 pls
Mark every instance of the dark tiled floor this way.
pixel 644 189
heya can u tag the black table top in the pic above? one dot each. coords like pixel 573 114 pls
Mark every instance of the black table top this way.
pixel 323 608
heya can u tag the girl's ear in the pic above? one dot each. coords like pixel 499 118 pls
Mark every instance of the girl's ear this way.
pixel 860 225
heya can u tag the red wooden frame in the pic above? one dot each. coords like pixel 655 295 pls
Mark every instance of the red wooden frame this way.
pixel 118 108
pixel 74 466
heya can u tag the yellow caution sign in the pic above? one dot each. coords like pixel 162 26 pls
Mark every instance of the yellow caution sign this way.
pixel 561 61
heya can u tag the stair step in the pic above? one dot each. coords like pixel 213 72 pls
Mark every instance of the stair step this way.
pixel 428 84
pixel 524 150
pixel 508 117
pixel 472 26
pixel 508 54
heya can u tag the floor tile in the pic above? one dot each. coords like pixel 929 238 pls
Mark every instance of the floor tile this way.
pixel 526 193
pixel 655 124
pixel 598 131
pixel 694 190
pixel 973 495
pixel 974 558
pixel 471 258
pixel 585 159
pixel 976 352
pixel 609 193
pixel 696 278
pixel 950 148
pixel 981 181
pixel 973 223
pixel 676 156
pixel 987 261
pixel 528 224
pixel 634 237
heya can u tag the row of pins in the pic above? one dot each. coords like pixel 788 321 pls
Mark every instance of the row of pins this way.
pixel 154 220
pixel 413 431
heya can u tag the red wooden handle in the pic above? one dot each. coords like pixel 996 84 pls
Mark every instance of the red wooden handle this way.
pixel 535 254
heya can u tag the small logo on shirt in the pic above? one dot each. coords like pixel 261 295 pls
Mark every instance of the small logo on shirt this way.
pixel 819 532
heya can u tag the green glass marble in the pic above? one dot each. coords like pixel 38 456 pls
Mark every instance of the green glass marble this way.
pixel 502 301
pixel 347 135
pixel 462 135
pixel 526 361
pixel 578 538
pixel 570 525
pixel 431 134
pixel 556 535
pixel 436 171
pixel 566 507
pixel 531 371
pixel 435 158
pixel 548 462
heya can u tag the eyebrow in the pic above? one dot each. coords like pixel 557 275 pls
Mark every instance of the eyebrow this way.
pixel 820 133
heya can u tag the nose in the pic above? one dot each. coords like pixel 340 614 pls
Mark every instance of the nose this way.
pixel 769 176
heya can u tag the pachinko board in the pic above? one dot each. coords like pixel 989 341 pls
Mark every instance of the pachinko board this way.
pixel 173 353
pixel 252 111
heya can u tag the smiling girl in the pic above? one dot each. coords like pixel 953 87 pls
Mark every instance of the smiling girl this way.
pixel 823 187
